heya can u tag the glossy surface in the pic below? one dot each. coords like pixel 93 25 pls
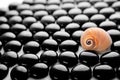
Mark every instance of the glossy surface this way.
pixel 49 44
pixel 59 72
pixel 68 45
pixel 35 27
pixel 31 47
pixel 68 58
pixel 9 58
pixel 39 70
pixel 70 28
pixel 52 28
pixel 103 72
pixel 17 71
pixel 28 60
pixel 40 36
pixel 110 58
pixel 81 72
pixel 64 20
pixel 60 36
pixel 89 58
pixel 24 36
pixel 3 71
pixel 12 45
pixel 49 57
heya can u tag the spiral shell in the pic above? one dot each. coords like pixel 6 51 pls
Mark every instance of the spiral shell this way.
pixel 95 39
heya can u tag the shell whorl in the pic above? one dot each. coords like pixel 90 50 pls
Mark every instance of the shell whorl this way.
pixel 89 43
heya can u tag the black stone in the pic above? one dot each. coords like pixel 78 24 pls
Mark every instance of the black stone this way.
pixel 81 72
pixel 103 72
pixel 59 72
pixel 68 58
pixel 89 58
pixel 68 45
pixel 39 70
pixel 49 57
pixel 18 73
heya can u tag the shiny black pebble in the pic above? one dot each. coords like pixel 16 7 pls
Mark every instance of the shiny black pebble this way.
pixel 28 21
pixel 9 58
pixel 110 58
pixel 115 34
pixel 52 28
pixel 40 36
pixel 60 12
pixel 35 27
pixel 31 47
pixel 115 17
pixel 24 36
pixel 4 28
pixel 38 7
pixel 68 45
pixel 39 70
pixel 47 19
pixel 98 18
pixel 11 13
pixel 19 73
pixel 60 36
pixel 77 35
pixel 70 28
pixel 107 25
pixel 13 6
pixel 103 72
pixel 52 8
pixel 12 45
pixel 107 11
pixel 15 20
pixel 26 13
pixel 22 7
pixel 116 5
pixel 3 71
pixel 67 6
pixel 88 25
pixel 17 28
pixel 90 11
pixel 68 58
pixel 3 19
pixel 100 5
pixel 7 36
pixel 49 57
pixel 59 72
pixel 83 5
pixel 49 44
pixel 116 46
pixel 89 58
pixel 81 72
pixel 63 21
pixel 39 14
pixel 28 60
pixel 75 11
pixel 81 18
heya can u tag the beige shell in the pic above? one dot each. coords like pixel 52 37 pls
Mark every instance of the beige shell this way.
pixel 95 39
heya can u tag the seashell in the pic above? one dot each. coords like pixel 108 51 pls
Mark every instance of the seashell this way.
pixel 96 39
